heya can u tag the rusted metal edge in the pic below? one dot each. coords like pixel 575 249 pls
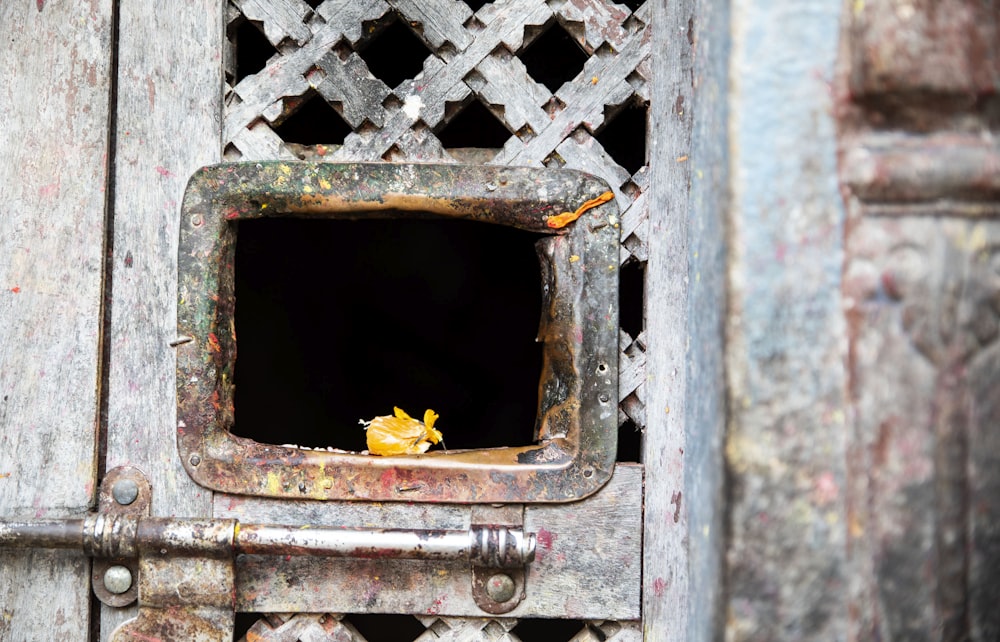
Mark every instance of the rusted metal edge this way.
pixel 577 419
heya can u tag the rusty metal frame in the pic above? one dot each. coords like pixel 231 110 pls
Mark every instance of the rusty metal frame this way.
pixel 577 419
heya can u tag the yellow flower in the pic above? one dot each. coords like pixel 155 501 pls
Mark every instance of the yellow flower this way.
pixel 402 434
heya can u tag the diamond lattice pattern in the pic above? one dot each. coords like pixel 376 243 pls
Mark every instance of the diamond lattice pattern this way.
pixel 456 59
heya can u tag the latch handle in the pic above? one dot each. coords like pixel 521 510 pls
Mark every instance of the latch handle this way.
pixel 123 536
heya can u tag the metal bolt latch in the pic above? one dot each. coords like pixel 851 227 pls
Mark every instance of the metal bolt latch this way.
pixel 125 491
pixel 500 587
pixel 117 579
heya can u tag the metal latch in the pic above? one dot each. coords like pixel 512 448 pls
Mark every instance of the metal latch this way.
pixel 182 571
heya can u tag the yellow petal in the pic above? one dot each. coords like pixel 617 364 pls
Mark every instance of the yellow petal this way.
pixel 401 434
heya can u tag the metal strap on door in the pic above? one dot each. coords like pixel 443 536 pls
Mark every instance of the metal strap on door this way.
pixel 182 571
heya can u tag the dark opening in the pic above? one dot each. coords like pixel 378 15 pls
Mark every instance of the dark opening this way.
pixel 476 5
pixel 394 54
pixel 553 58
pixel 539 630
pixel 244 621
pixel 624 137
pixel 378 627
pixel 338 321
pixel 631 284
pixel 629 442
pixel 474 126
pixel 633 5
pixel 314 122
pixel 252 50
pixel 314 3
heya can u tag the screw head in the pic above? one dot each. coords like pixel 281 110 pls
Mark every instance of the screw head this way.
pixel 117 579
pixel 500 587
pixel 195 460
pixel 125 491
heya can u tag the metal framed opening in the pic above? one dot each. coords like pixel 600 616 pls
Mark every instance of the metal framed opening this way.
pixel 340 320
pixel 575 426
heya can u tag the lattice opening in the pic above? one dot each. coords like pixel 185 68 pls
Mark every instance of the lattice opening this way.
pixel 539 630
pixel 243 623
pixel 623 136
pixel 376 627
pixel 474 126
pixel 393 53
pixel 341 320
pixel 629 442
pixel 631 286
pixel 476 5
pixel 553 58
pixel 252 49
pixel 633 5
pixel 314 121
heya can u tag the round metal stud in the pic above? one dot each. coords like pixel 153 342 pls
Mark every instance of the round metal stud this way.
pixel 125 491
pixel 117 579
pixel 500 587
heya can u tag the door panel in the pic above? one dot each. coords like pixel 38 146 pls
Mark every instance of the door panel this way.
pixel 167 127
pixel 54 100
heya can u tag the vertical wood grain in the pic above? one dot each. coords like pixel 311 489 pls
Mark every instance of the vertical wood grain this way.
pixel 168 125
pixel 54 99
pixel 665 548
pixel 705 419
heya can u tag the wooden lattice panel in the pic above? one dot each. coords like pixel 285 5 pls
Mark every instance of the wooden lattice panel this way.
pixel 320 53
pixel 312 627
pixel 471 56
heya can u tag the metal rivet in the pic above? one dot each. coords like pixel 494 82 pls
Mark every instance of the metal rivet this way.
pixel 195 460
pixel 588 472
pixel 125 491
pixel 117 579
pixel 500 587
pixel 197 220
pixel 604 397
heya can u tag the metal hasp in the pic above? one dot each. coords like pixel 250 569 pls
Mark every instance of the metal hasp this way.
pixel 182 571
pixel 577 420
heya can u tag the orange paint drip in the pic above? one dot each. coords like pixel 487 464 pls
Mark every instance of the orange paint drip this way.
pixel 564 219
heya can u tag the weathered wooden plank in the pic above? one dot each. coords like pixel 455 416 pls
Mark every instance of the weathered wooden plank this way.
pixel 505 82
pixel 281 19
pixel 349 83
pixel 665 526
pixel 440 21
pixel 168 125
pixel 587 564
pixel 786 448
pixel 54 135
pixel 595 22
pixel 705 420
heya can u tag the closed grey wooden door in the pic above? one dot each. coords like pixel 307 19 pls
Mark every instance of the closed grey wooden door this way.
pixel 139 98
